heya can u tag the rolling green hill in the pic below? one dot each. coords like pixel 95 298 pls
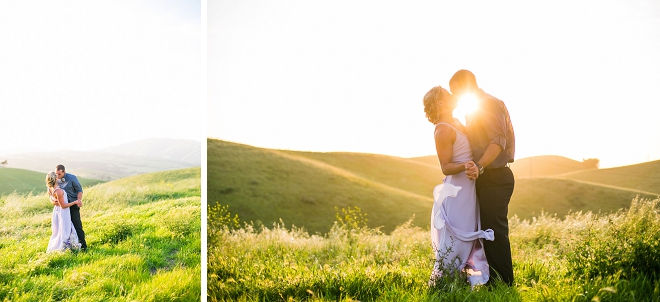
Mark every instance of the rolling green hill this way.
pixel 535 166
pixel 402 173
pixel 644 177
pixel 546 165
pixel 267 185
pixel 26 181
pixel 561 196
pixel 143 236
pixel 303 188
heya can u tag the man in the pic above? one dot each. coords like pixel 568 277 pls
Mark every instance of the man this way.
pixel 71 186
pixel 490 133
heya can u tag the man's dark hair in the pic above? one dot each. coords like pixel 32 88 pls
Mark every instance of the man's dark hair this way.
pixel 60 168
pixel 463 77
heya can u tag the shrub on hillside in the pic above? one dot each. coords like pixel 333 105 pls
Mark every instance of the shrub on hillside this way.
pixel 219 217
pixel 178 222
pixel 115 233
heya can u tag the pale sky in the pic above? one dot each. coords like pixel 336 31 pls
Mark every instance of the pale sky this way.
pixel 580 78
pixel 83 75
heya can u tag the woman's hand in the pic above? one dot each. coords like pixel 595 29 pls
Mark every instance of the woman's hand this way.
pixel 471 170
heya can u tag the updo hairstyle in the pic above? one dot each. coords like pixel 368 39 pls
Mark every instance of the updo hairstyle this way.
pixel 51 178
pixel 431 100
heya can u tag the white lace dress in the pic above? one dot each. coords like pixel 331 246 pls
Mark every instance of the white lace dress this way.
pixel 455 224
pixel 64 234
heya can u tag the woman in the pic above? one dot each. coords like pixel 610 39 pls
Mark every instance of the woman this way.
pixel 64 234
pixel 455 226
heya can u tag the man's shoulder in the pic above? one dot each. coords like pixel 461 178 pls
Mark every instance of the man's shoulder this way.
pixel 70 176
pixel 493 103
pixel 490 98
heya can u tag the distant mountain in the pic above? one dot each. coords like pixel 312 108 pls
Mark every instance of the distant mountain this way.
pixel 26 181
pixel 535 166
pixel 182 150
pixel 547 165
pixel 112 163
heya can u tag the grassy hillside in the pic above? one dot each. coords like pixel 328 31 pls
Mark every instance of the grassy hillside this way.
pixel 544 166
pixel 397 172
pixel 585 257
pixel 645 176
pixel 267 185
pixel 303 188
pixel 536 166
pixel 26 181
pixel 531 196
pixel 143 236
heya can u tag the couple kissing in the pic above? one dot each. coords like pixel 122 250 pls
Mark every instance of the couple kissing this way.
pixel 472 202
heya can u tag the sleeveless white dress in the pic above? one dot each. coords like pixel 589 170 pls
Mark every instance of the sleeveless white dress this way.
pixel 64 234
pixel 455 223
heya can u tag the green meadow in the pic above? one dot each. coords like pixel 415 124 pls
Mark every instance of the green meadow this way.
pixel 26 181
pixel 643 177
pixel 303 188
pixel 582 257
pixel 143 236
pixel 309 226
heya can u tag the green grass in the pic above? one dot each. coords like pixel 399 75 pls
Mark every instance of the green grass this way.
pixel 584 257
pixel 645 177
pixel 303 188
pixel 266 185
pixel 532 196
pixel 26 181
pixel 396 172
pixel 143 235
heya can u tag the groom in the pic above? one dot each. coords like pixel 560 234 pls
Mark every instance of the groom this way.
pixel 71 186
pixel 492 141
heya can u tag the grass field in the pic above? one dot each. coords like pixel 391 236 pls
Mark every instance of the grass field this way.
pixel 532 196
pixel 303 188
pixel 583 257
pixel 143 235
pixel 26 181
pixel 267 185
pixel 645 177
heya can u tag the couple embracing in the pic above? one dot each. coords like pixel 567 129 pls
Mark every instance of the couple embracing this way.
pixel 66 195
pixel 469 225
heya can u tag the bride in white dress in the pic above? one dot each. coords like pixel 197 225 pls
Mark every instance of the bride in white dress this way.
pixel 455 226
pixel 64 234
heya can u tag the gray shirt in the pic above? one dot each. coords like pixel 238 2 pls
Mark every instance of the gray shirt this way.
pixel 491 124
pixel 71 186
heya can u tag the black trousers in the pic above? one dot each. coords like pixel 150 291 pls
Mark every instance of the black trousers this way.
pixel 494 190
pixel 77 223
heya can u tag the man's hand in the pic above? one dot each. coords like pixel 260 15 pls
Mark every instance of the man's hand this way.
pixel 79 202
pixel 471 170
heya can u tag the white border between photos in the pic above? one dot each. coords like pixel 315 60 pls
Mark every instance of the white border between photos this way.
pixel 203 86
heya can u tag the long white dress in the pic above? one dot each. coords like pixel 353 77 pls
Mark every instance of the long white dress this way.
pixel 455 223
pixel 64 234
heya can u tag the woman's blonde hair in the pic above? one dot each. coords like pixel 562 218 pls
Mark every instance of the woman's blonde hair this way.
pixel 431 103
pixel 51 178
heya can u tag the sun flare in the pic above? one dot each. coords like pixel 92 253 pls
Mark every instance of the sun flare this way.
pixel 466 104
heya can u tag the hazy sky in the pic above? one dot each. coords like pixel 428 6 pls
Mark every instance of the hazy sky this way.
pixel 580 78
pixel 83 75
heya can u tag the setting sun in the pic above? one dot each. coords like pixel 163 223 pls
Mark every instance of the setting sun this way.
pixel 466 104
